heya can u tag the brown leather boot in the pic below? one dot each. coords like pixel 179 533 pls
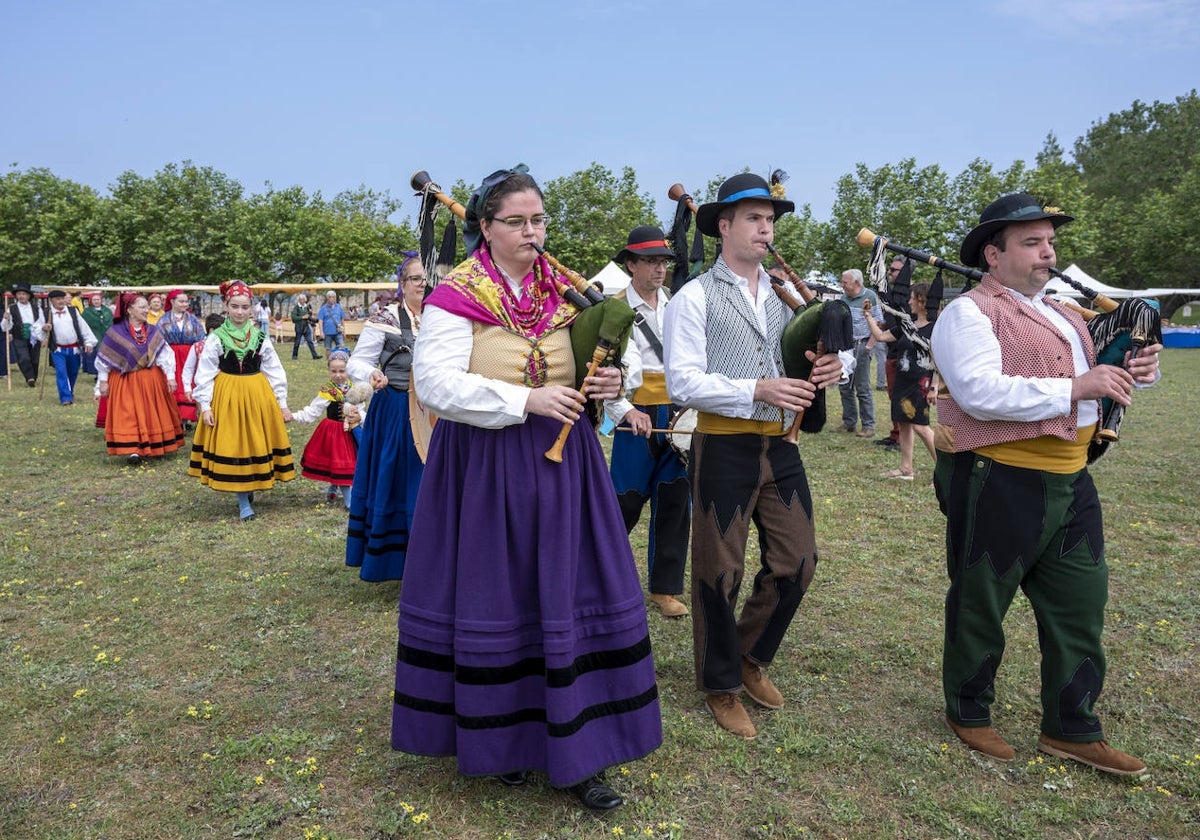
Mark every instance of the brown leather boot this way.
pixel 730 714
pixel 668 605
pixel 759 686
pixel 983 739
pixel 1096 754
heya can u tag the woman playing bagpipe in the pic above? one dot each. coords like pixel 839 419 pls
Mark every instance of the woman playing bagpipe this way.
pixel 523 642
pixel 389 469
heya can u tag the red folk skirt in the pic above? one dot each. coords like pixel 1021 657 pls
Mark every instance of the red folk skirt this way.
pixel 330 455
pixel 187 408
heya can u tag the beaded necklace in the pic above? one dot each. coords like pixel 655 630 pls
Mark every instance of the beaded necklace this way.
pixel 528 316
pixel 139 336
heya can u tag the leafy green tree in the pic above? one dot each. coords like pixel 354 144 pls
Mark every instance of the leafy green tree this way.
pixel 48 229
pixel 1138 167
pixel 281 236
pixel 1055 182
pixel 592 212
pixel 908 204
pixel 363 243
pixel 174 227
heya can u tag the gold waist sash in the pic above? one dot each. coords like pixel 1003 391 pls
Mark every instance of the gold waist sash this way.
pixel 715 424
pixel 1046 453
pixel 652 391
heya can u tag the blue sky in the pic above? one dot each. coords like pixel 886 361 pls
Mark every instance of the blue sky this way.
pixel 333 95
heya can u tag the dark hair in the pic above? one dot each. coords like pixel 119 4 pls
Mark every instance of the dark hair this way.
pixel 921 292
pixel 515 183
pixel 999 238
pixel 213 321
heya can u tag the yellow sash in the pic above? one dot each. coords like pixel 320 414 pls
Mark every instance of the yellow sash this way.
pixel 715 424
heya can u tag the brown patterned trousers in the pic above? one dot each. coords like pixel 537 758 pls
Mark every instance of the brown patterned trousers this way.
pixel 737 480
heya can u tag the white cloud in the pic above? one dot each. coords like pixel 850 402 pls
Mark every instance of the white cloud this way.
pixel 1174 23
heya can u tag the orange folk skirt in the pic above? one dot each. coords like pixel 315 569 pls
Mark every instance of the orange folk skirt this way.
pixel 142 417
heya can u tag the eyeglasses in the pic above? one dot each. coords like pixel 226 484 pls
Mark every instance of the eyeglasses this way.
pixel 519 222
pixel 415 278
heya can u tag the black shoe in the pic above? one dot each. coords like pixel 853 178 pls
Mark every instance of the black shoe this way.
pixel 891 446
pixel 30 382
pixel 514 779
pixel 135 459
pixel 596 795
pixel 249 517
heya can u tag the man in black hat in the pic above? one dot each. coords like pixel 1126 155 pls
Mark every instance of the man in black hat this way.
pixel 645 467
pixel 723 358
pixel 23 320
pixel 1021 509
pixel 69 337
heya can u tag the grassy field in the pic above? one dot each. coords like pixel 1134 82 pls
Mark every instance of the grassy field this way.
pixel 171 673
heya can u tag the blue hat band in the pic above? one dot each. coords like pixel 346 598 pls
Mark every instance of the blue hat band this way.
pixel 753 192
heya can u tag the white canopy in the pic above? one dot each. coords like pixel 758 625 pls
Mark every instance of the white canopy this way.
pixel 1076 273
pixel 612 278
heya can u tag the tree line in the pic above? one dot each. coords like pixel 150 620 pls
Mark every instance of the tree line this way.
pixel 1132 182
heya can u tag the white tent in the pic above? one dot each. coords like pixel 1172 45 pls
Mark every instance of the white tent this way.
pixel 612 278
pixel 1080 276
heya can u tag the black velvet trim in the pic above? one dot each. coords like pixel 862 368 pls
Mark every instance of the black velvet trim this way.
pixel 725 456
pixel 532 666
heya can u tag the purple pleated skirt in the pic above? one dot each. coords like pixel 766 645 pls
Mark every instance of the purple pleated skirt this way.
pixel 523 642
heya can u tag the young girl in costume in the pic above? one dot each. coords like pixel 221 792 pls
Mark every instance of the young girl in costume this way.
pixel 331 452
pixel 241 444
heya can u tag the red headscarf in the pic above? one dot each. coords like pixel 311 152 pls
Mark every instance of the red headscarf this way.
pixel 121 307
pixel 234 287
pixel 174 293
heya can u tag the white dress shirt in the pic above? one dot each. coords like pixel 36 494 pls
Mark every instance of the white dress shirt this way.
pixel 967 355
pixel 208 367
pixel 368 348
pixel 30 315
pixel 446 388
pixel 64 329
pixel 639 356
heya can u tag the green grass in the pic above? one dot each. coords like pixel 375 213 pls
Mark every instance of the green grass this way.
pixel 170 673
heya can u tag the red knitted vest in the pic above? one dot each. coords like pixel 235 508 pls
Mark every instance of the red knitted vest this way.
pixel 1030 345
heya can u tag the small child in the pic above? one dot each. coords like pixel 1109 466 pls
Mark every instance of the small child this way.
pixel 331 452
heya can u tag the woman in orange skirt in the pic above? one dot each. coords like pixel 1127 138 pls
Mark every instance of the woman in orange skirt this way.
pixel 134 365
pixel 241 444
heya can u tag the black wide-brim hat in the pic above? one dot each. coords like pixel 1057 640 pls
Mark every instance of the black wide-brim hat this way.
pixel 1006 210
pixel 744 187
pixel 645 241
pixel 21 286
